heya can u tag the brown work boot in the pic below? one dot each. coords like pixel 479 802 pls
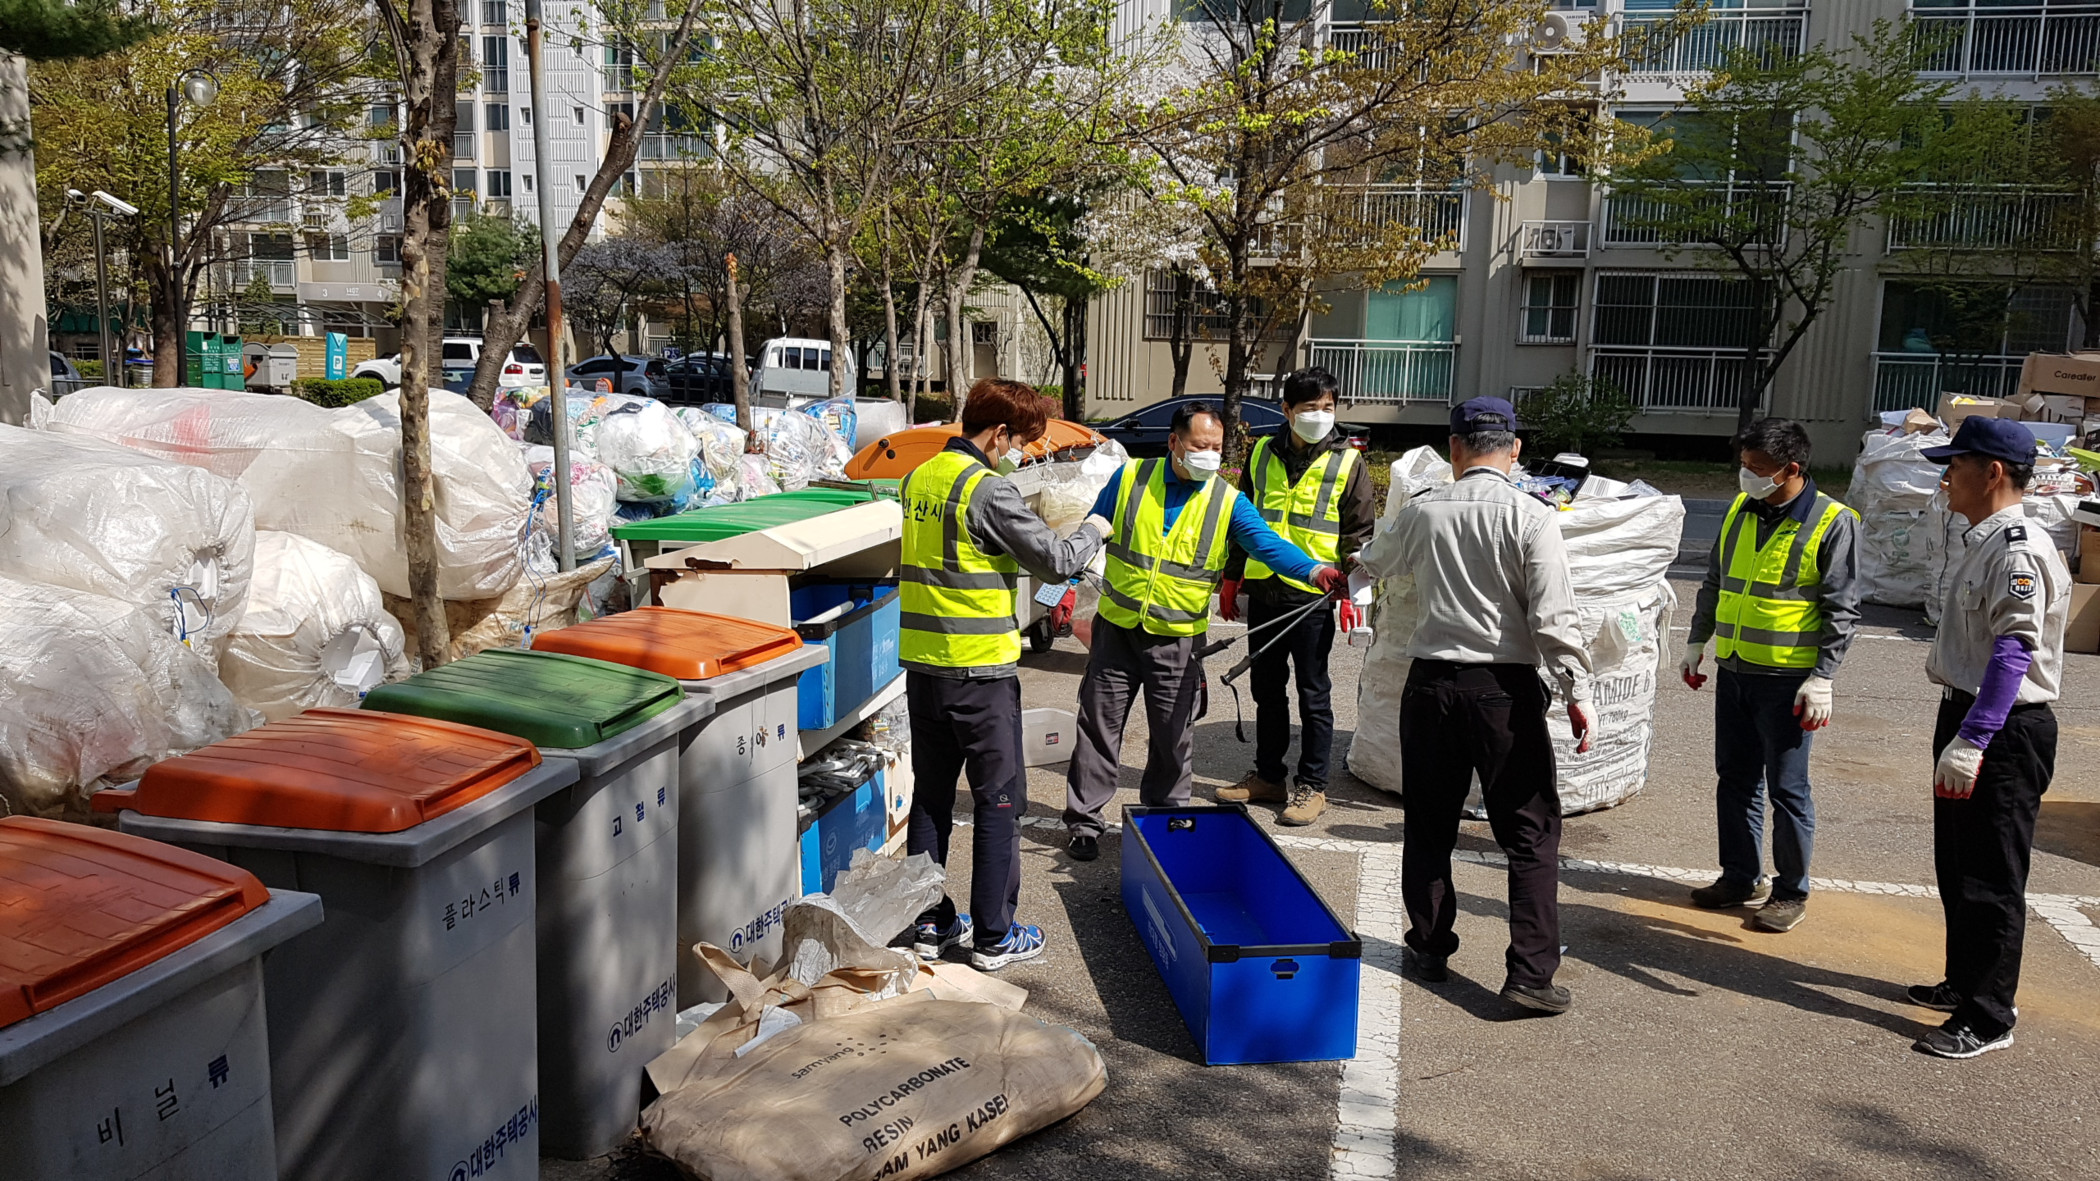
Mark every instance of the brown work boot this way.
pixel 1304 806
pixel 1250 789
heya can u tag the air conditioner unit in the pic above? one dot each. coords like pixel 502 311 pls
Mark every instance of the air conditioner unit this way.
pixel 1557 31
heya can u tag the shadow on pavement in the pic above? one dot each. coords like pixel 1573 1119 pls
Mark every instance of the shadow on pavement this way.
pixel 2069 828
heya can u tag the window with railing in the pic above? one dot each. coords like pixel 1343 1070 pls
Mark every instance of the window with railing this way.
pixel 1964 337
pixel 1551 301
pixel 619 69
pixel 495 64
pixel 2053 37
pixel 1642 219
pixel 1673 342
pixel 1207 316
pixel 1773 29
pixel 1408 351
pixel 1985 217
pixel 265 199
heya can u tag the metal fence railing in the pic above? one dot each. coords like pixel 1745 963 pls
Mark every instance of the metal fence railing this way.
pixel 1554 239
pixel 1389 371
pixel 280 274
pixel 1991 218
pixel 1903 381
pixel 1673 380
pixel 1632 219
pixel 2030 40
pixel 1706 46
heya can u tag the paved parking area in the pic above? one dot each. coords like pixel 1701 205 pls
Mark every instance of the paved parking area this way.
pixel 1697 1047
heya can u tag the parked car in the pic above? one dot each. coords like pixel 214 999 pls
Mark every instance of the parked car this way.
pixel 1143 432
pixel 643 377
pixel 65 376
pixel 698 377
pixel 459 357
pixel 796 369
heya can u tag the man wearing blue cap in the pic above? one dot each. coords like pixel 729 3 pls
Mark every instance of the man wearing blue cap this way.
pixel 1998 658
pixel 1491 572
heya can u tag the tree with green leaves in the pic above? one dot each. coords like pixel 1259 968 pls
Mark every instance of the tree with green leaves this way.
pixel 1778 159
pixel 487 259
pixel 1037 245
pixel 55 30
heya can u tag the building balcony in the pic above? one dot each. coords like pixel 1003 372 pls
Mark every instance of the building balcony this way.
pixel 1370 49
pixel 657 145
pixel 496 80
pixel 1705 48
pixel 280 274
pixel 1554 239
pixel 1389 372
pixel 2029 41
pixel 464 145
pixel 1904 381
pixel 1632 219
pixel 1664 380
pixel 1438 213
pixel 1997 218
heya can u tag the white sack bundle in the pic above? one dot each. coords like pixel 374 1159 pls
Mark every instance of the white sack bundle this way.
pixel 316 634
pixel 1892 490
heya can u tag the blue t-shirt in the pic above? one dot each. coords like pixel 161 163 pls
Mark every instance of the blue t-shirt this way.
pixel 1247 529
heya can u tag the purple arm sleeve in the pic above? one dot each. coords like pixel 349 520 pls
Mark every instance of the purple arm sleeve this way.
pixel 2001 686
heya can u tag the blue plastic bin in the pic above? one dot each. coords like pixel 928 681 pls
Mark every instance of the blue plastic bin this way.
pixel 862 644
pixel 849 823
pixel 1259 965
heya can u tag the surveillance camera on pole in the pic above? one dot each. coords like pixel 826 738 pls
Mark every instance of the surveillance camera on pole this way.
pixel 124 207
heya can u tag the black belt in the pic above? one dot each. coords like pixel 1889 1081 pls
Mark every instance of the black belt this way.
pixel 1966 699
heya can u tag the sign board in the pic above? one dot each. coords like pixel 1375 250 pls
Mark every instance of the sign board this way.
pixel 338 366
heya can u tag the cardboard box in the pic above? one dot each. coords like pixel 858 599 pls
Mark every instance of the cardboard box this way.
pixel 2082 633
pixel 1955 407
pixel 2075 374
pixel 1917 422
pixel 2088 566
pixel 2061 408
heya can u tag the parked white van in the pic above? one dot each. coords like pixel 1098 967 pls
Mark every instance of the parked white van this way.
pixel 796 369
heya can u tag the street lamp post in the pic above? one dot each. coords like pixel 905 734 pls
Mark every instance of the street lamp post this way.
pixel 200 89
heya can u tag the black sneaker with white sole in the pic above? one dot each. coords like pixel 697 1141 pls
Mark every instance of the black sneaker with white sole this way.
pixel 1939 996
pixel 931 943
pixel 1550 998
pixel 1960 1041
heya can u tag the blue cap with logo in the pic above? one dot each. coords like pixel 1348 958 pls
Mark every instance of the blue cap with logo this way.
pixel 1483 414
pixel 1991 438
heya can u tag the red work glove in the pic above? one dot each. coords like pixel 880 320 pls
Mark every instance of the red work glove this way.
pixel 1330 579
pixel 1061 615
pixel 1229 600
pixel 1348 617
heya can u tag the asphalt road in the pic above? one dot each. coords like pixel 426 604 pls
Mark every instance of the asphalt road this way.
pixel 1697 1047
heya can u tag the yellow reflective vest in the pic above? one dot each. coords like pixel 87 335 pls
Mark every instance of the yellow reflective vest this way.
pixel 1308 513
pixel 1769 612
pixel 957 601
pixel 1161 579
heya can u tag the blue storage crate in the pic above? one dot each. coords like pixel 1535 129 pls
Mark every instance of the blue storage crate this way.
pixel 862 643
pixel 1260 967
pixel 856 820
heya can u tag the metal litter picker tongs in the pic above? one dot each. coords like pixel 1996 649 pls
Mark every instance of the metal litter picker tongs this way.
pixel 1282 624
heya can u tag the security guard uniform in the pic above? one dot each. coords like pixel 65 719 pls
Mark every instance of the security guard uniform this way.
pixel 967 535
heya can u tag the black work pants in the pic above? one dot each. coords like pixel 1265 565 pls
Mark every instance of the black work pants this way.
pixel 1457 720
pixel 972 725
pixel 1980 851
pixel 1305 645
pixel 1123 662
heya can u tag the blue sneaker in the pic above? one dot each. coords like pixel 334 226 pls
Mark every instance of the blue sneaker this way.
pixel 931 943
pixel 1021 943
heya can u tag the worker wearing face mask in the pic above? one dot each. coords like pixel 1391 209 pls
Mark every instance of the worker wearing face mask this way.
pixel 1312 487
pixel 966 536
pixel 1173 524
pixel 1780 601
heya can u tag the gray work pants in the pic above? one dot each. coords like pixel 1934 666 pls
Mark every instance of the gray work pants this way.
pixel 1122 662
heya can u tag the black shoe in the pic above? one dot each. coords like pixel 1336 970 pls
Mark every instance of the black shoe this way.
pixel 1083 847
pixel 1939 996
pixel 1550 999
pixel 1724 894
pixel 1429 969
pixel 1959 1041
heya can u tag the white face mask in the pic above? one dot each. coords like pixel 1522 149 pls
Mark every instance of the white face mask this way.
pixel 1202 463
pixel 1014 456
pixel 1312 425
pixel 1754 486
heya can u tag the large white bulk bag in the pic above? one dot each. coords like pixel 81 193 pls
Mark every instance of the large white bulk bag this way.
pixel 334 476
pixel 93 691
pixel 169 539
pixel 317 632
pixel 1892 490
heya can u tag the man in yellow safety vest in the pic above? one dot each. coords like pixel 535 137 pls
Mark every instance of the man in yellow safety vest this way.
pixel 1173 521
pixel 1311 486
pixel 967 535
pixel 1780 601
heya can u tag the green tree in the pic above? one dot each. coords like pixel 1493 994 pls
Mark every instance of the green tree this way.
pixel 1576 413
pixel 1037 245
pixel 1779 159
pixel 53 30
pixel 487 259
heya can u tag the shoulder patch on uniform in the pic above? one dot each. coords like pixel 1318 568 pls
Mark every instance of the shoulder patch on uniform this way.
pixel 2016 533
pixel 2019 583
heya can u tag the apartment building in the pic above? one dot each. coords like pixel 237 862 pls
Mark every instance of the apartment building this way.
pixel 1550 273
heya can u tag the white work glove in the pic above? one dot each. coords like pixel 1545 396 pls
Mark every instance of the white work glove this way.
pixel 1100 525
pixel 1688 668
pixel 1812 703
pixel 1954 777
pixel 1583 720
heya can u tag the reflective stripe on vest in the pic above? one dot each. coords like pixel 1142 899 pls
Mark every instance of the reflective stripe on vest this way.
pixel 1308 513
pixel 1769 613
pixel 1161 579
pixel 957 602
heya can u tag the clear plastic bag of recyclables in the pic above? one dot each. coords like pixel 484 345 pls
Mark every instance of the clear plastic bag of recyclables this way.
pixel 878 1068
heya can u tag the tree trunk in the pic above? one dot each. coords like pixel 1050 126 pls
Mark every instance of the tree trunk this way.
pixel 889 332
pixel 170 338
pixel 1075 359
pixel 1181 344
pixel 835 266
pixel 739 377
pixel 1287 356
pixel 1237 347
pixel 960 355
pixel 1753 367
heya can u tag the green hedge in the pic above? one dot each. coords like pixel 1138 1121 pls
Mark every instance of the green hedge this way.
pixel 341 391
pixel 89 369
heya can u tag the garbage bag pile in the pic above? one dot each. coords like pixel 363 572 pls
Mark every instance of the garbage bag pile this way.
pixel 594 497
pixel 333 476
pixel 171 540
pixel 653 456
pixel 1892 490
pixel 93 690
pixel 316 632
pixel 1619 552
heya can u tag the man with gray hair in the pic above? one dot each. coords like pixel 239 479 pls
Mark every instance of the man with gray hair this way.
pixel 1491 573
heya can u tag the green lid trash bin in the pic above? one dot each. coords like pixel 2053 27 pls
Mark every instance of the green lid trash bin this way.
pixel 607 855
pixel 745 516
